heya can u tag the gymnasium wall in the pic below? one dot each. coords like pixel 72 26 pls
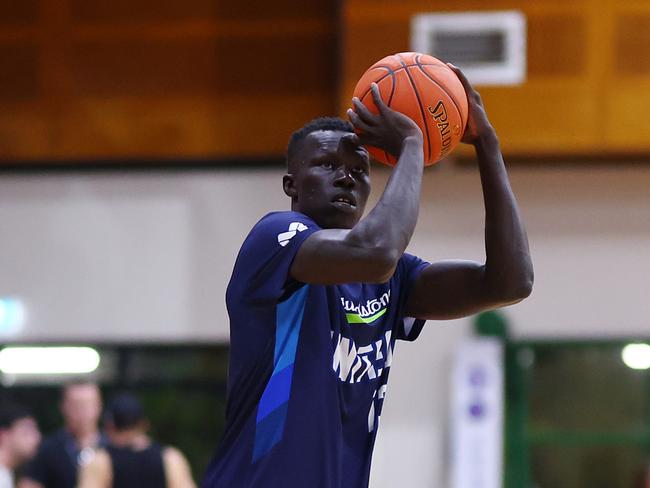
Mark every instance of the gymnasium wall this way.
pixel 146 257
pixel 217 78
pixel 114 79
pixel 588 74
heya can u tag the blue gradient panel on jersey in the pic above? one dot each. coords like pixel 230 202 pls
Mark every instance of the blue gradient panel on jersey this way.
pixel 272 409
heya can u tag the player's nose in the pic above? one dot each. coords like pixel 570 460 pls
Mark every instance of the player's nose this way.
pixel 343 177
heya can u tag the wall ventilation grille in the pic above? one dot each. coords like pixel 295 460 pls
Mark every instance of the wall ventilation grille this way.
pixel 490 47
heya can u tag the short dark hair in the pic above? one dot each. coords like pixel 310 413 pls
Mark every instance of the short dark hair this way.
pixel 11 412
pixel 321 123
pixel 124 411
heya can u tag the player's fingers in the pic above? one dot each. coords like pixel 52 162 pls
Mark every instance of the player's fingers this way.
pixel 461 76
pixel 463 79
pixel 366 115
pixel 364 140
pixel 356 120
pixel 369 139
pixel 376 97
pixel 472 94
pixel 351 139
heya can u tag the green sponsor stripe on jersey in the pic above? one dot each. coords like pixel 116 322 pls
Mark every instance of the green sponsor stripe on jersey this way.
pixel 355 318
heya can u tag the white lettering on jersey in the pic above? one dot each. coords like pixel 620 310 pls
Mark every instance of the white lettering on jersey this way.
pixel 294 228
pixel 354 364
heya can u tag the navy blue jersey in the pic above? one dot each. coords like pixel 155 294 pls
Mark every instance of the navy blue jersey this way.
pixel 309 366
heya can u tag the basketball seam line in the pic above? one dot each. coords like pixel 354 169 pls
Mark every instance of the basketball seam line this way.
pixel 390 99
pixel 442 88
pixel 417 95
pixel 391 71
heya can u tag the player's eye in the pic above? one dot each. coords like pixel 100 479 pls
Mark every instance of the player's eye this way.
pixel 359 170
pixel 326 164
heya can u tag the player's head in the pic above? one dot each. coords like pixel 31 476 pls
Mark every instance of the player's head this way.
pixel 19 434
pixel 328 175
pixel 81 407
pixel 123 413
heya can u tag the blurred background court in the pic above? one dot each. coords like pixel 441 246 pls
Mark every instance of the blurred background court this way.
pixel 141 140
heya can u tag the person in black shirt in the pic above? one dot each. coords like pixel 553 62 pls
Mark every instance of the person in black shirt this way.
pixel 132 459
pixel 61 453
pixel 19 439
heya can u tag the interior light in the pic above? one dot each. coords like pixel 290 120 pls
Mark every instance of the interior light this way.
pixel 48 360
pixel 12 314
pixel 637 356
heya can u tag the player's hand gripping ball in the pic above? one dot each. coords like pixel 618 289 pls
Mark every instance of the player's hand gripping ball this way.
pixel 426 90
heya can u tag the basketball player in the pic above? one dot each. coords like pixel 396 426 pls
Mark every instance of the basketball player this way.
pixel 132 459
pixel 319 296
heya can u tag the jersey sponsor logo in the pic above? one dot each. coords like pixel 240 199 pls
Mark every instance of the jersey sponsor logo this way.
pixel 366 313
pixel 294 228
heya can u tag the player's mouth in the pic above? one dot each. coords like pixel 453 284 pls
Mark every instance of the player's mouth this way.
pixel 345 202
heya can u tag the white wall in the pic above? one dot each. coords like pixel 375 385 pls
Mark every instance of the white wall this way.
pixel 589 231
pixel 147 256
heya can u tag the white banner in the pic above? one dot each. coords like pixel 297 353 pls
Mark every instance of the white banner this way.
pixel 477 415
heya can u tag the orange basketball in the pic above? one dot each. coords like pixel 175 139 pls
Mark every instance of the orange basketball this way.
pixel 425 89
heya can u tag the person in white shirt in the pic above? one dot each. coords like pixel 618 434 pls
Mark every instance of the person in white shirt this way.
pixel 19 440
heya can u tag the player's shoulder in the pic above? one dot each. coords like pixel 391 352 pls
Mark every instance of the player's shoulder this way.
pixel 409 260
pixel 409 266
pixel 281 226
pixel 284 218
pixel 172 455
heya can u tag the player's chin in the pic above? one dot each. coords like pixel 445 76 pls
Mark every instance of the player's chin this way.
pixel 342 220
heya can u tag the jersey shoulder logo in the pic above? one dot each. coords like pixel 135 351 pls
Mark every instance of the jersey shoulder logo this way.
pixel 294 228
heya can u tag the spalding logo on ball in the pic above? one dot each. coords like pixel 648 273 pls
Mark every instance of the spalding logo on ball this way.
pixel 425 89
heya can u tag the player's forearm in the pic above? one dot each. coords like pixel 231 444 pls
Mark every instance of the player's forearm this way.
pixel 508 268
pixel 390 224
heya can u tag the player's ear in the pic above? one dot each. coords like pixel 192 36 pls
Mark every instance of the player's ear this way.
pixel 289 185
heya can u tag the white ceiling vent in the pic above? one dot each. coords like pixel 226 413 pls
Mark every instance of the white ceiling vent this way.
pixel 490 47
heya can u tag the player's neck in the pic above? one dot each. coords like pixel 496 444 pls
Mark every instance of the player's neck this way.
pixel 134 438
pixel 85 439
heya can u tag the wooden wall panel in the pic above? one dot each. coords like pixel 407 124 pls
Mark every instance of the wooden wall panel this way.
pixel 18 12
pixel 19 77
pixel 108 11
pixel 627 79
pixel 111 79
pixel 557 45
pixel 588 82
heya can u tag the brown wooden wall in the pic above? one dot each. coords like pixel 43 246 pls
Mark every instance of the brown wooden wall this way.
pixel 98 79
pixel 85 79
pixel 588 87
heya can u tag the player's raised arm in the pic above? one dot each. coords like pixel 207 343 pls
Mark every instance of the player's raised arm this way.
pixel 450 289
pixel 349 249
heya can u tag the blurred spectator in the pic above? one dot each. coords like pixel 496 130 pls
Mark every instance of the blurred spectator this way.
pixel 19 439
pixel 643 479
pixel 132 459
pixel 62 453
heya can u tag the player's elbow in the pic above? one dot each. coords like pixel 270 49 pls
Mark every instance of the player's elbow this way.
pixel 522 290
pixel 514 291
pixel 525 282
